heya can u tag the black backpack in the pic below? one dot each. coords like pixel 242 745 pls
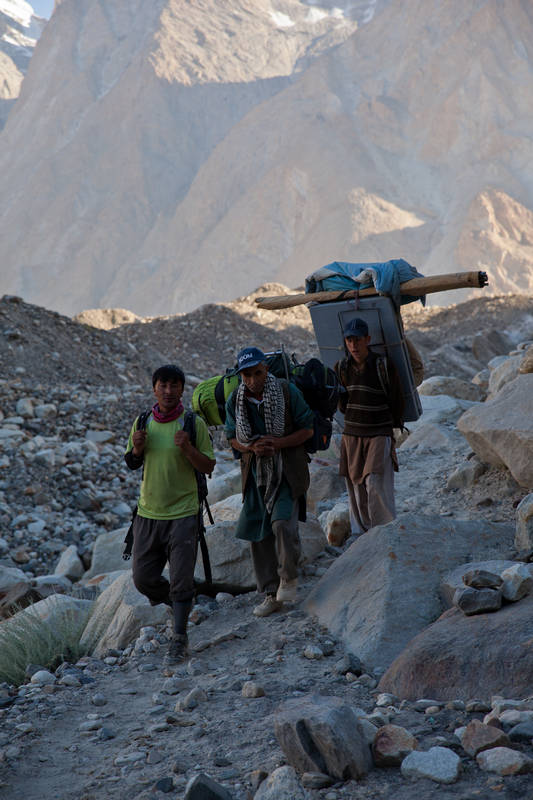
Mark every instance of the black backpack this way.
pixel 320 387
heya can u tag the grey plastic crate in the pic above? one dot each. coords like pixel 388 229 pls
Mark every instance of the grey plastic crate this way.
pixel 330 319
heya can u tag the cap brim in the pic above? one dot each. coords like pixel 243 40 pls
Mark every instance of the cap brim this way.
pixel 250 364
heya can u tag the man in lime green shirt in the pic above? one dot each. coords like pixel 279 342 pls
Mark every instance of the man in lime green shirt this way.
pixel 166 526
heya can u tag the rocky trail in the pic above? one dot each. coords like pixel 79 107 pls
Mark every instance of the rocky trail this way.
pixel 116 725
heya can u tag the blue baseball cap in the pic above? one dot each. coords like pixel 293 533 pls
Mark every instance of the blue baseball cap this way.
pixel 355 327
pixel 249 357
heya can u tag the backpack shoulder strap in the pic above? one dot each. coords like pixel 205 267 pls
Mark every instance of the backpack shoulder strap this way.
pixel 189 426
pixel 383 373
pixel 142 419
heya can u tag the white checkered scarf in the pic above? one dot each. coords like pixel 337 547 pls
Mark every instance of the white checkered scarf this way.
pixel 269 469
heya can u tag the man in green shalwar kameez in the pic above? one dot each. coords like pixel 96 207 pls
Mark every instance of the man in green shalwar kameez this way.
pixel 268 422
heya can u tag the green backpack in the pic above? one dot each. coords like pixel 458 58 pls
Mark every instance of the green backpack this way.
pixel 209 398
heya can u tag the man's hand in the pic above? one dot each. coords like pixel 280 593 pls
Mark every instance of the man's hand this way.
pixel 182 440
pixel 264 446
pixel 139 443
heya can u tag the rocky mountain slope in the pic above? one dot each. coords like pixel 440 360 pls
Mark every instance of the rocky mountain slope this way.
pixel 114 722
pixel 181 154
pixel 20 29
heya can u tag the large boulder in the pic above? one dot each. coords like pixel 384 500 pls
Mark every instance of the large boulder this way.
pixel 230 558
pixel 227 509
pixel 460 657
pixel 440 408
pixel 326 483
pixel 59 610
pixel 500 431
pixel 119 614
pixel 224 485
pixel 322 734
pixel 107 553
pixel 453 387
pixel 384 588
pixel 504 372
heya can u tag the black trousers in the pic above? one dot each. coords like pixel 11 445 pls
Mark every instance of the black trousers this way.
pixel 156 541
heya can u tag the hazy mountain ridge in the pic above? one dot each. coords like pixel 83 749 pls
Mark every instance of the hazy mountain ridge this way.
pixel 186 154
pixel 20 29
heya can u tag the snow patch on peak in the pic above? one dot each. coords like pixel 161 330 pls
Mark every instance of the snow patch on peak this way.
pixel 18 10
pixel 281 20
pixel 315 15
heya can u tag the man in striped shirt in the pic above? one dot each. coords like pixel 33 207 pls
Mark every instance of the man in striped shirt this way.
pixel 372 406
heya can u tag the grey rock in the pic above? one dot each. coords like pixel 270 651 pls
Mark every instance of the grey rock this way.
pixel 70 564
pixel 281 784
pixel 523 732
pixel 524 524
pixel 500 431
pixel 118 615
pixel 107 553
pixel 504 761
pixel 503 373
pixel 466 475
pixel 322 734
pixel 202 787
pixel 477 601
pixel 326 483
pixel 316 780
pixel 448 385
pixel 482 579
pixel 517 582
pixel 439 764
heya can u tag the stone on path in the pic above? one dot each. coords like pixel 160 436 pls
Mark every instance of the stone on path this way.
pixel 439 764
pixel 500 431
pixel 504 761
pixel 322 734
pixel 383 589
pixel 202 787
pixel 458 656
pixel 391 745
pixel 281 784
pixel 477 737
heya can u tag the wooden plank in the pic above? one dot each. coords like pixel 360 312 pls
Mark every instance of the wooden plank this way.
pixel 416 287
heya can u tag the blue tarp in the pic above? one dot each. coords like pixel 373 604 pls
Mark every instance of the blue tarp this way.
pixel 385 276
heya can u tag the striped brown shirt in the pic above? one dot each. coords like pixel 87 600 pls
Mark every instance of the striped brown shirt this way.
pixel 366 407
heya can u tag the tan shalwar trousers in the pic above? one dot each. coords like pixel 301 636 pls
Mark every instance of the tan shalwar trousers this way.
pixel 368 467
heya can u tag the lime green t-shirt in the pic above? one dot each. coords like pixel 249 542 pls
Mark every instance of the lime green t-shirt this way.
pixel 168 487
